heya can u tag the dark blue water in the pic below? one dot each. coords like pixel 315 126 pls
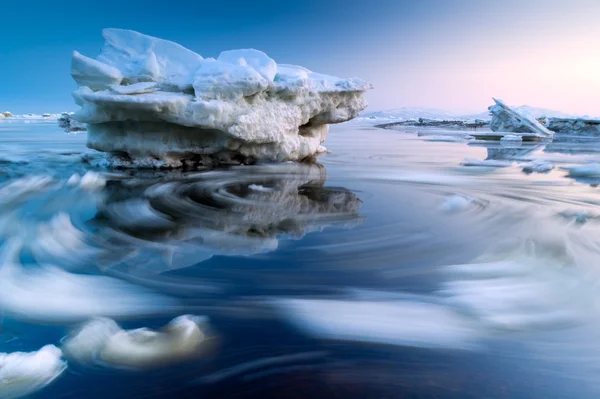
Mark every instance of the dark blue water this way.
pixel 388 270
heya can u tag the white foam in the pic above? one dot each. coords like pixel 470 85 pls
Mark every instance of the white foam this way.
pixel 22 373
pixel 51 294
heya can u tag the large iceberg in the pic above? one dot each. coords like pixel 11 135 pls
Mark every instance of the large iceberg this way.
pixel 507 119
pixel 149 101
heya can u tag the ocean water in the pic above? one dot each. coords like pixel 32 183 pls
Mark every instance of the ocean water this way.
pixel 390 269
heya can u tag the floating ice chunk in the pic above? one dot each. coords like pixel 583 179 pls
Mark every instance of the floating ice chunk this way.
pixel 93 74
pixel 488 162
pixel 507 119
pixel 537 165
pixel 46 293
pixel 220 80
pixel 143 58
pixel 511 137
pixel 255 59
pixel 22 373
pixel 588 170
pixel 92 181
pixel 447 138
pixel 406 323
pixel 226 111
pixel 103 340
pixel 136 88
pixel 457 203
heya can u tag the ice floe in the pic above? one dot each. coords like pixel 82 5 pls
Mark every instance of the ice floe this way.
pixel 102 341
pixel 152 102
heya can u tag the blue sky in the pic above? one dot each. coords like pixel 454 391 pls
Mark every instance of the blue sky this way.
pixel 446 54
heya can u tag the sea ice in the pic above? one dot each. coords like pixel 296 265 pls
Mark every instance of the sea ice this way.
pixel 103 340
pixel 22 373
pixel 173 107
pixel 507 119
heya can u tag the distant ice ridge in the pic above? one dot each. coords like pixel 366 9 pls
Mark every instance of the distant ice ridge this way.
pixel 7 116
pixel 149 101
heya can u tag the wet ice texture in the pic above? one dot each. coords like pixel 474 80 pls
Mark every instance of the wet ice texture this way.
pixel 103 341
pixel 152 102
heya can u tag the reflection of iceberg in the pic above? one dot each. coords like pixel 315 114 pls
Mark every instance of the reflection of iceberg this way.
pixel 102 340
pixel 24 373
pixel 149 101
pixel 240 211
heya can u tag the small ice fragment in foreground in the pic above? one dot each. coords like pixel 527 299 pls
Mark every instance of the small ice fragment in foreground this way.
pixel 588 170
pixel 92 181
pixel 538 165
pixel 103 340
pixel 511 137
pixel 405 323
pixel 23 373
pixel 488 162
pixel 456 203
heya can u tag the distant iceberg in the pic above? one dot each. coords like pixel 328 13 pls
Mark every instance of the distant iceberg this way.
pixel 153 102
pixel 507 119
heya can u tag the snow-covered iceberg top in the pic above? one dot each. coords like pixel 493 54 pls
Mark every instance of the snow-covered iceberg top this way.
pixel 507 119
pixel 145 98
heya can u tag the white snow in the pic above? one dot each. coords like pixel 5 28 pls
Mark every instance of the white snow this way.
pixel 102 340
pixel 93 74
pixel 22 373
pixel 174 106
pixel 135 88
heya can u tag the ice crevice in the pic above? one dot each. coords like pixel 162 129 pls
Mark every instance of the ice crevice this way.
pixel 149 101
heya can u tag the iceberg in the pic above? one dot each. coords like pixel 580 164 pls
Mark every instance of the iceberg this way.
pixel 149 101
pixel 507 119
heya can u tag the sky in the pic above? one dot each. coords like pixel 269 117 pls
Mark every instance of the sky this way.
pixel 452 55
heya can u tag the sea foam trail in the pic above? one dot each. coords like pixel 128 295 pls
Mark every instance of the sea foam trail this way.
pixel 48 293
